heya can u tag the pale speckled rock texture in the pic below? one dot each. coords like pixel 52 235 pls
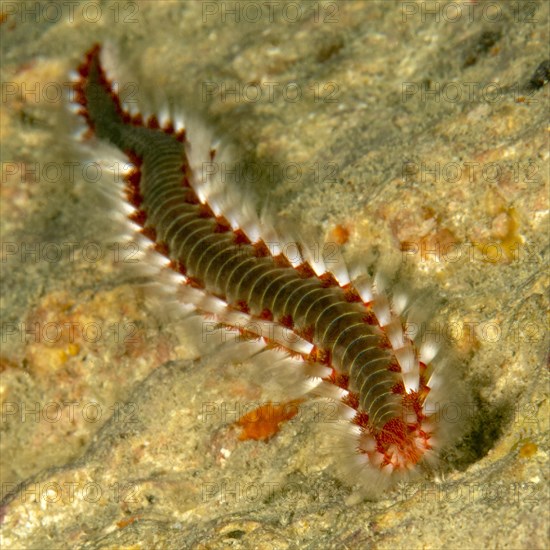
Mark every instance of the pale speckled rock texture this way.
pixel 121 453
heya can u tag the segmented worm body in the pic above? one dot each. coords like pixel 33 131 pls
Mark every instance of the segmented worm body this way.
pixel 347 334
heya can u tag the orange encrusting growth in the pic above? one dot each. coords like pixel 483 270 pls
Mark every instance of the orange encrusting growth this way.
pixel 264 422
pixel 340 234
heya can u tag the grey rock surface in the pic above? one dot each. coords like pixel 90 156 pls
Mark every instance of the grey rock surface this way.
pixel 418 138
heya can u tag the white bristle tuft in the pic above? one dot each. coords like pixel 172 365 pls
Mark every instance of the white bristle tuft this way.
pixel 364 289
pixel 74 76
pixel 79 133
pixel 175 278
pixel 381 308
pixel 179 122
pixel 131 108
pixel 428 351
pixel 334 261
pixel 395 334
pixel 164 116
pixel 127 208
pixel 406 358
pixel 411 381
pixel 399 302
pixel 76 109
